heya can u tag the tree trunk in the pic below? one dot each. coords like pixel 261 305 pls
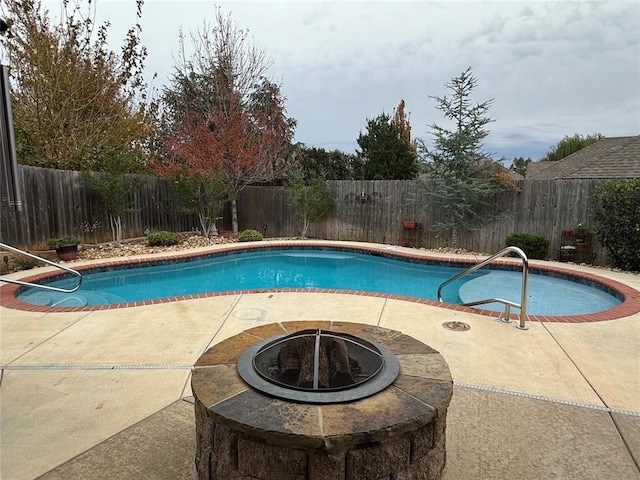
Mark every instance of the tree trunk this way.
pixel 208 226
pixel 116 229
pixel 234 215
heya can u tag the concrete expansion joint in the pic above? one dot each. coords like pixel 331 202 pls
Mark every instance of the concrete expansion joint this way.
pixel 96 367
pixel 545 399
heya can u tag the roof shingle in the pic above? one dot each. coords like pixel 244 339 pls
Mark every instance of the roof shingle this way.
pixel 616 157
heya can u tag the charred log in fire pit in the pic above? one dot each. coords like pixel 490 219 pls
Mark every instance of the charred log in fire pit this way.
pixel 297 358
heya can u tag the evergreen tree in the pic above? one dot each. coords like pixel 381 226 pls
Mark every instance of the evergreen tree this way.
pixel 386 156
pixel 519 165
pixel 460 174
pixel 616 218
pixel 569 145
pixel 333 165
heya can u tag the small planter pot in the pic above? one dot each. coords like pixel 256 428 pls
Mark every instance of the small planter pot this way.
pixel 566 257
pixel 582 246
pixel 67 252
pixel 411 225
pixel 567 253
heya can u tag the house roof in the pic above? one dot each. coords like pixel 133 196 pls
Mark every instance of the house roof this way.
pixel 616 157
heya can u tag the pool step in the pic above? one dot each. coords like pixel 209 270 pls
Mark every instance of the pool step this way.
pixel 492 284
pixel 77 299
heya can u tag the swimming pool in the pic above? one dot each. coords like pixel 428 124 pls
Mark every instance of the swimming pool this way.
pixel 339 269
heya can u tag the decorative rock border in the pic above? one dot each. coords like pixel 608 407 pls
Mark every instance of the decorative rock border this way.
pixel 399 433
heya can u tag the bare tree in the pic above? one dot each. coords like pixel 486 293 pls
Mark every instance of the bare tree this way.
pixel 224 54
pixel 223 118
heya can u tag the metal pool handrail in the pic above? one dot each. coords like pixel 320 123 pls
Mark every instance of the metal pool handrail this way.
pixel 40 259
pixel 507 304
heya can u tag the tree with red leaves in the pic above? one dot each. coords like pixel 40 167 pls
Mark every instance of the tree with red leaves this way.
pixel 224 122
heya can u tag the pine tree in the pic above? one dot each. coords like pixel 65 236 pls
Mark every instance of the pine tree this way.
pixel 385 154
pixel 459 173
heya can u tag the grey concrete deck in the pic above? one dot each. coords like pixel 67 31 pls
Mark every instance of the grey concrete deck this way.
pixel 105 394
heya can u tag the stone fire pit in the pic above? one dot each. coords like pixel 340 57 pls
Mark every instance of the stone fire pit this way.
pixel 399 432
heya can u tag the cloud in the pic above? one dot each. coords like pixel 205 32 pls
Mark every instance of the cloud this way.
pixel 552 68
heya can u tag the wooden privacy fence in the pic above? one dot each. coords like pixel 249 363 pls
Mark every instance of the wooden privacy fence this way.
pixel 56 203
pixel 376 211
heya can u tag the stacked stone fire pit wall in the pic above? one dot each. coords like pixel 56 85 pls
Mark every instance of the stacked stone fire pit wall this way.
pixel 396 434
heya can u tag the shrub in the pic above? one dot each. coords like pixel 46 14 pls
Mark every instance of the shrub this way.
pixel 249 236
pixel 163 239
pixel 309 201
pixel 617 221
pixel 533 246
pixel 55 243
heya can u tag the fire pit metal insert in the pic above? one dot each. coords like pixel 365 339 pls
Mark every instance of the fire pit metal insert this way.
pixel 318 366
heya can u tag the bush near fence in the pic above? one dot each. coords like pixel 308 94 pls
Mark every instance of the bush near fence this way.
pixel 56 204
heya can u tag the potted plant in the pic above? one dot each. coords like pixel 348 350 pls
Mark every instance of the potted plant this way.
pixel 66 247
pixel 581 234
pixel 581 231
pixel 567 252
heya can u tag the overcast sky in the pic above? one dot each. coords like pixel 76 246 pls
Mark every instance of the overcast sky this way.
pixel 552 69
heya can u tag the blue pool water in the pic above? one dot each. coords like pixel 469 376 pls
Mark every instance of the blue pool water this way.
pixel 330 269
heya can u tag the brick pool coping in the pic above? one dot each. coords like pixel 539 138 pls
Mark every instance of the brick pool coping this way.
pixel 630 297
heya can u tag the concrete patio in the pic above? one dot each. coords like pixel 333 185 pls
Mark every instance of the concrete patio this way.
pixel 106 394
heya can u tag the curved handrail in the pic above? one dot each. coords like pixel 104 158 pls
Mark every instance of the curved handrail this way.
pixel 523 294
pixel 40 259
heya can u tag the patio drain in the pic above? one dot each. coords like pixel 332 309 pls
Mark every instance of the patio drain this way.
pixel 456 326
